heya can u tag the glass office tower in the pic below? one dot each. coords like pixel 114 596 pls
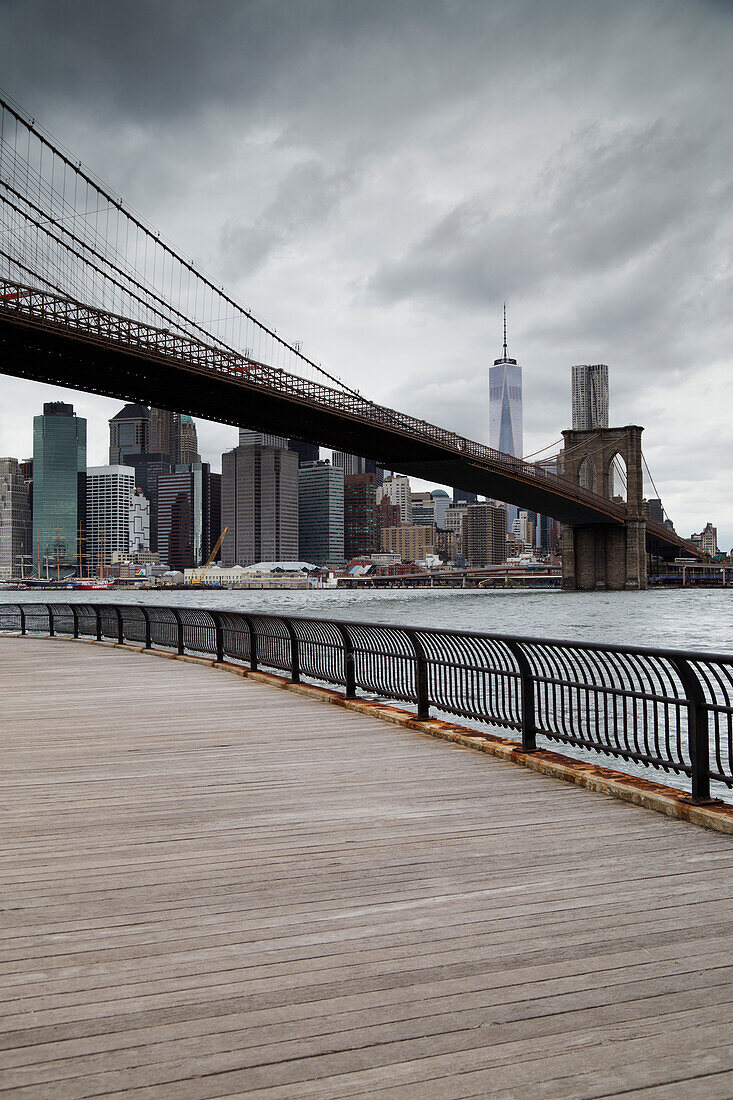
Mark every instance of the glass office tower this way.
pixel 59 508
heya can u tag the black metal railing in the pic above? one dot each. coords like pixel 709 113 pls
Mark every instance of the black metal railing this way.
pixel 666 709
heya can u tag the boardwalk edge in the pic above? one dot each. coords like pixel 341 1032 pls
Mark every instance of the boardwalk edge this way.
pixel 641 792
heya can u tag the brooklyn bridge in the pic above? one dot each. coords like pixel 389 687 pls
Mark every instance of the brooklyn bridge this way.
pixel 94 299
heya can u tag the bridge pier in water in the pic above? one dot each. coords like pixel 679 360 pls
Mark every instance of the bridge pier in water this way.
pixel 605 556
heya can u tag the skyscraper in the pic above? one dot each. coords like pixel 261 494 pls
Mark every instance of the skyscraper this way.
pixel 129 432
pixel 148 470
pixel 15 521
pixel 109 491
pixel 188 444
pixel 164 433
pixel 249 438
pixel 362 516
pixel 259 505
pixel 590 396
pixel 184 515
pixel 306 452
pixel 505 404
pixel 321 513
pixel 396 488
pixel 59 484
pixel 355 464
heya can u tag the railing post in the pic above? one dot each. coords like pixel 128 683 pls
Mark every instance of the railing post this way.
pixel 120 627
pixel 219 636
pixel 50 620
pixel 349 666
pixel 179 623
pixel 294 653
pixel 526 680
pixel 148 639
pixel 75 616
pixel 697 730
pixel 98 613
pixel 252 643
pixel 422 694
pixel 22 619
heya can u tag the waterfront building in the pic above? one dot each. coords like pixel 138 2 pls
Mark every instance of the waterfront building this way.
pixel 321 513
pixel 259 505
pixel 15 521
pixel 484 533
pixel 396 488
pixel 183 515
pixel 707 539
pixel 139 522
pixel 362 515
pixel 410 542
pixel 306 452
pixel 59 467
pixel 109 491
pixel 248 438
pixel 149 469
pixel 129 433
pixel 590 396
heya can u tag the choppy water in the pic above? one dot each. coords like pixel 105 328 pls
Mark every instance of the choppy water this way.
pixel 691 619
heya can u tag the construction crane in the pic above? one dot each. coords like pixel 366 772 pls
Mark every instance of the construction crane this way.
pixel 199 578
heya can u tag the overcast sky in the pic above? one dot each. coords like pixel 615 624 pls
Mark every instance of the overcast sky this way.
pixel 375 177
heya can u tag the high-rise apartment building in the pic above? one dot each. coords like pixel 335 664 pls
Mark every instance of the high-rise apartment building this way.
pixel 59 483
pixel 590 396
pixel 321 514
pixel 422 512
pixel 248 438
pixel 306 452
pixel 15 521
pixel 362 516
pixel 109 491
pixel 259 505
pixel 184 515
pixel 411 542
pixel 129 433
pixel 454 517
pixel 484 533
pixel 396 488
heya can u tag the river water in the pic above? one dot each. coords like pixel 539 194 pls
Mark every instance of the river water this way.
pixel 700 619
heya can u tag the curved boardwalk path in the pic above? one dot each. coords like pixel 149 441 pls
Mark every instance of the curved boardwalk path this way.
pixel 213 888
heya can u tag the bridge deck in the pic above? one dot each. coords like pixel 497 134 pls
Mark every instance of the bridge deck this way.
pixel 213 888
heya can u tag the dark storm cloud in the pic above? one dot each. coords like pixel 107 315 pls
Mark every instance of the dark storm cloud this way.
pixel 378 176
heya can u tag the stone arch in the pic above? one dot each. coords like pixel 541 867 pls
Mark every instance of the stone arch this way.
pixel 617 475
pixel 588 474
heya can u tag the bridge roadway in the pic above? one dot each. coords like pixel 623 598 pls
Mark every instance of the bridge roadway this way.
pixel 213 888
pixel 49 338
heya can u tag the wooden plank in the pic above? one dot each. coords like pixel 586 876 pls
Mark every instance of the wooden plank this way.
pixel 215 888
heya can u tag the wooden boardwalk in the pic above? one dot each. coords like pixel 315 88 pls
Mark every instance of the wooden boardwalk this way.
pixel 212 888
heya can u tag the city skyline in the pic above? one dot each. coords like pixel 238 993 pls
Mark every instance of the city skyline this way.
pixel 596 205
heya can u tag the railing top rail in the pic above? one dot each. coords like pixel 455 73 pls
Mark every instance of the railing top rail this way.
pixel 526 639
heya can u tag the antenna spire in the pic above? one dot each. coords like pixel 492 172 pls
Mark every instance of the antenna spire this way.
pixel 505 330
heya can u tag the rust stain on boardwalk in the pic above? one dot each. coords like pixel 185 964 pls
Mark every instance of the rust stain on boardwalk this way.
pixel 210 888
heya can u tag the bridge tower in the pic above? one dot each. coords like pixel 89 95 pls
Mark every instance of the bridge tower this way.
pixel 608 556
